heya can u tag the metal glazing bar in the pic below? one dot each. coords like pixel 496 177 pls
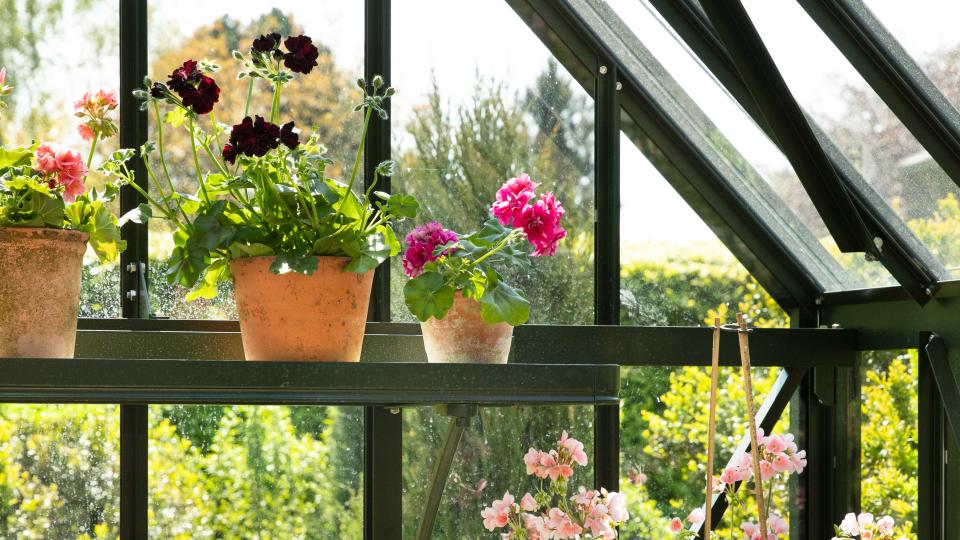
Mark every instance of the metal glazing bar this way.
pixel 606 426
pixel 947 381
pixel 789 125
pixel 932 450
pixel 133 266
pixel 903 254
pixel 768 415
pixel 377 146
pixel 382 473
pixel 133 133
pixel 894 75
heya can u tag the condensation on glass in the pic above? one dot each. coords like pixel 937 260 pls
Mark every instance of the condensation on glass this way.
pixel 884 152
pixel 255 472
pixel 488 462
pixel 322 100
pixel 474 112
pixel 59 471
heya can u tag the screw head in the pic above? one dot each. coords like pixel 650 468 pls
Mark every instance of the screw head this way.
pixel 619 86
pixel 131 295
pixel 603 70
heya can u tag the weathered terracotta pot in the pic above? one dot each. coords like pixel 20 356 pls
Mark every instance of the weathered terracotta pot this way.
pixel 40 273
pixel 462 337
pixel 320 317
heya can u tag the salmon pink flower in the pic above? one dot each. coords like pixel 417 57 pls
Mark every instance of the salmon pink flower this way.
pixel 696 516
pixel 675 525
pixel 64 166
pixel 528 503
pixel 574 448
pixel 498 514
pixel 512 198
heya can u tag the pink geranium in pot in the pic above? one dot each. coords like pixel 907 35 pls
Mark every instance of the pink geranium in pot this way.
pixel 467 311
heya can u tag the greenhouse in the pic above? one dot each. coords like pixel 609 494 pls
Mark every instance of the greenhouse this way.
pixel 526 269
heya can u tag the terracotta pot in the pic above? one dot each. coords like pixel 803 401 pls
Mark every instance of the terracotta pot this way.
pixel 320 317
pixel 462 337
pixel 40 273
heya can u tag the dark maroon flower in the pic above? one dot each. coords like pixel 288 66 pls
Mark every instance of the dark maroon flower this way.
pixel 266 42
pixel 290 139
pixel 201 98
pixel 195 89
pixel 251 138
pixel 229 153
pixel 184 76
pixel 303 54
pixel 158 90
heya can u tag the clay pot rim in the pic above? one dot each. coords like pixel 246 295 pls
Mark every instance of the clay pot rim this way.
pixel 43 233
pixel 262 258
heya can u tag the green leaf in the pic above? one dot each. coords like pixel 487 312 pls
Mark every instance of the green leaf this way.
pixel 186 263
pixel 503 303
pixel 402 206
pixel 95 219
pixel 491 233
pixel 428 296
pixel 175 117
pixel 139 214
pixel 239 251
pixel 289 262
pixel 207 287
pixel 36 205
pixel 373 250
pixel 15 157
pixel 212 230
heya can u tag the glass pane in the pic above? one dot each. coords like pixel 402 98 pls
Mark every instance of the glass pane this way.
pixel 863 127
pixel 322 100
pixel 489 461
pixel 750 153
pixel 663 442
pixel 888 437
pixel 75 41
pixel 59 471
pixel 928 39
pixel 256 472
pixel 681 275
pixel 477 111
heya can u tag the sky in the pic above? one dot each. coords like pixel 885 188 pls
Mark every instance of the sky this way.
pixel 454 41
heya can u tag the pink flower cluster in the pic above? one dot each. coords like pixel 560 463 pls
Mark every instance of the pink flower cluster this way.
pixel 593 511
pixel 778 454
pixel 863 526
pixel 557 463
pixel 62 167
pixel 775 527
pixel 93 107
pixel 540 221
pixel 422 242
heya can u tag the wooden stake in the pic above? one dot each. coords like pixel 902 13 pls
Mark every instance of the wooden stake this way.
pixel 714 377
pixel 752 423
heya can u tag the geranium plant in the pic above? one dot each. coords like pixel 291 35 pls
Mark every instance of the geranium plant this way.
pixel 442 262
pixel 552 511
pixel 43 184
pixel 268 192
pixel 779 457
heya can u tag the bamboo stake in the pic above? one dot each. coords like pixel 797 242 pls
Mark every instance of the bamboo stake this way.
pixel 752 423
pixel 714 376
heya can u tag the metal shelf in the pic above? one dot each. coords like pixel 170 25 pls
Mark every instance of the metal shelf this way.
pixel 142 381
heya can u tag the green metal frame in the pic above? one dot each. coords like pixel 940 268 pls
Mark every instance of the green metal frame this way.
pixel 821 362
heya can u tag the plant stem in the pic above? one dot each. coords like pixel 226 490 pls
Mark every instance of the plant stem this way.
pixel 163 160
pixel 500 245
pixel 196 161
pixel 93 146
pixel 275 108
pixel 246 108
pixel 216 129
pixel 356 163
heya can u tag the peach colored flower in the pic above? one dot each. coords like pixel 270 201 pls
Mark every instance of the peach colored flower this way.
pixel 65 165
pixel 528 503
pixel 675 525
